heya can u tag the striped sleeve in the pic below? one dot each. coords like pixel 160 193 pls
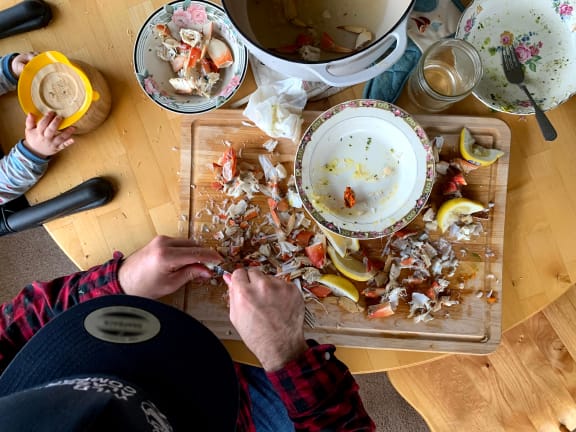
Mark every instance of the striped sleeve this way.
pixel 320 393
pixel 19 171
pixel 8 81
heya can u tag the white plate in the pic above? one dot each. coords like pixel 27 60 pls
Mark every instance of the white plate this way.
pixel 379 151
pixel 544 34
pixel 153 73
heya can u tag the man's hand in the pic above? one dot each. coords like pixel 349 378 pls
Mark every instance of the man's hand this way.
pixel 43 138
pixel 165 265
pixel 268 313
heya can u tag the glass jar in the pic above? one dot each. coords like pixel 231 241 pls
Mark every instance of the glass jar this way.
pixel 447 72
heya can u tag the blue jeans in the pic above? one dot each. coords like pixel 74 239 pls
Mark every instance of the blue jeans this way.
pixel 268 410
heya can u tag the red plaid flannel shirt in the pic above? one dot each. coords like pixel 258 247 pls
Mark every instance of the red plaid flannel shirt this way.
pixel 317 389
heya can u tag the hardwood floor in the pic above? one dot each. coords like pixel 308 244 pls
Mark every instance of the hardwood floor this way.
pixel 527 384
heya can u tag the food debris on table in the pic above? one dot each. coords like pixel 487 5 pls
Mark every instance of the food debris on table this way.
pixel 259 221
pixel 419 273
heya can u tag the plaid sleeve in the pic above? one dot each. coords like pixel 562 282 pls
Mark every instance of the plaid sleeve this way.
pixel 39 302
pixel 320 393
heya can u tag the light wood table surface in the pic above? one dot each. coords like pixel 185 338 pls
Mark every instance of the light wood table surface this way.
pixel 138 148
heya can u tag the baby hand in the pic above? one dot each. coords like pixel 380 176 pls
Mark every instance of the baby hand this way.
pixel 20 61
pixel 43 138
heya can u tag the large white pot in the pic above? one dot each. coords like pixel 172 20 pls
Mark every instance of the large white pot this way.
pixel 387 19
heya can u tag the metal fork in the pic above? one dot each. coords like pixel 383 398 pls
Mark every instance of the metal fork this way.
pixel 515 75
pixel 309 317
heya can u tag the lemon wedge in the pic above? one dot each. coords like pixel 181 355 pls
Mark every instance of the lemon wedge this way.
pixel 342 245
pixel 340 286
pixel 349 267
pixel 477 154
pixel 451 210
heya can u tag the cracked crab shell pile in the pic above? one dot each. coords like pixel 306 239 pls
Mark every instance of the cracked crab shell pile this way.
pixel 251 212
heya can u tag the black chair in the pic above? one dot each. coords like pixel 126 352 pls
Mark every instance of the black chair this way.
pixel 25 16
pixel 18 215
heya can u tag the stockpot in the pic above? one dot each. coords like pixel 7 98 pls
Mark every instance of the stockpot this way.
pixel 387 19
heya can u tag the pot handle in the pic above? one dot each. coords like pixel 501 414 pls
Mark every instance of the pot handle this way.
pixel 373 70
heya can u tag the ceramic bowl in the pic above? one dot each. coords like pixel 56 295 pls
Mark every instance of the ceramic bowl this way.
pixel 376 149
pixel 153 73
pixel 543 34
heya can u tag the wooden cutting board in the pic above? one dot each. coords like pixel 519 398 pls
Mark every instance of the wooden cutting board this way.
pixel 474 326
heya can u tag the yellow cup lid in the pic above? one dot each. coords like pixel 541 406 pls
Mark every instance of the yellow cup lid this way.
pixel 50 82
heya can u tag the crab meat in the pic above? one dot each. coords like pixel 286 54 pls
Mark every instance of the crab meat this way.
pixel 364 35
pixel 228 163
pixel 182 85
pixel 207 31
pixel 220 53
pixel 309 52
pixel 363 39
pixel 317 254
pixel 291 13
pixel 381 310
pixel 328 44
pixel 190 37
pixel 349 197
pixel 163 31
pixel 178 62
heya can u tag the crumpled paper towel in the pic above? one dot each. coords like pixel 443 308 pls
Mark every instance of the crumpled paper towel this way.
pixel 276 108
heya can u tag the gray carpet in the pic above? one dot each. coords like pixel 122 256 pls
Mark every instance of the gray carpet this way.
pixel 33 255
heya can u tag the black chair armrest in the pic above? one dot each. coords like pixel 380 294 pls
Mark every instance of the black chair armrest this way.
pixel 25 16
pixel 92 193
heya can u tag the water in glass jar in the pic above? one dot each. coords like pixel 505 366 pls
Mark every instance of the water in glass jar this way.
pixel 443 78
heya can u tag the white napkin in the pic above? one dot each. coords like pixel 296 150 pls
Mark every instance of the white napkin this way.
pixel 276 108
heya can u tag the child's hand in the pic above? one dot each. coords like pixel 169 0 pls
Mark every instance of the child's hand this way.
pixel 19 62
pixel 44 139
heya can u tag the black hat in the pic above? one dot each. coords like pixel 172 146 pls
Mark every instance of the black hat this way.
pixel 120 362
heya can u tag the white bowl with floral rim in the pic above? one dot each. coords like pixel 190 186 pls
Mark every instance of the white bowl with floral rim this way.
pixel 376 149
pixel 543 33
pixel 153 73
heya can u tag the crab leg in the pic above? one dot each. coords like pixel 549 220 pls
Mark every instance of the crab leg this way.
pixel 220 53
pixel 328 44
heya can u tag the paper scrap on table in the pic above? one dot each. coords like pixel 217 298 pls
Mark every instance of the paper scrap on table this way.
pixel 276 108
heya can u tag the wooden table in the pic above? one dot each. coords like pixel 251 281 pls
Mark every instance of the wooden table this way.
pixel 138 148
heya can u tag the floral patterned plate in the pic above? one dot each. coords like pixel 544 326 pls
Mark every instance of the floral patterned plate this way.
pixel 153 73
pixel 543 33
pixel 377 150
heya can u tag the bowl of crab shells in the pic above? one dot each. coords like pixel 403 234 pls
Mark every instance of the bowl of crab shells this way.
pixel 188 58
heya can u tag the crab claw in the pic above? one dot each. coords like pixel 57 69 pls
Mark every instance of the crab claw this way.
pixel 220 54
pixel 328 44
pixel 163 31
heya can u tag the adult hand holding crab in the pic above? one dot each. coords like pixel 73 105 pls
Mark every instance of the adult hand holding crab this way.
pixel 268 313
